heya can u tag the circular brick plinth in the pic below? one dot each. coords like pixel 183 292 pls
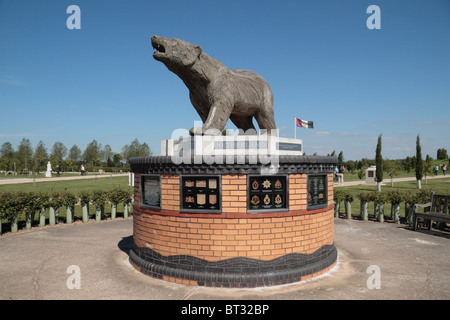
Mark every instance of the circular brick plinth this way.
pixel 235 246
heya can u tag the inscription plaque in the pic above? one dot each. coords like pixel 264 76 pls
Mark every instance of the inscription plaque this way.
pixel 200 194
pixel 267 193
pixel 317 191
pixel 151 191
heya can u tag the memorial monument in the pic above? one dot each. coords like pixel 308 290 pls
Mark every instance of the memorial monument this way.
pixel 48 173
pixel 246 210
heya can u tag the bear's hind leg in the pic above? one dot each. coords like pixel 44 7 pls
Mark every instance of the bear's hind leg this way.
pixel 266 121
pixel 244 123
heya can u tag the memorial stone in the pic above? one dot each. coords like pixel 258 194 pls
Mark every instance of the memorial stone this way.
pixel 48 172
pixel 245 210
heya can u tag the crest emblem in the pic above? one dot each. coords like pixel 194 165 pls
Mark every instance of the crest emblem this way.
pixel 201 184
pixel 201 199
pixel 212 199
pixel 212 184
pixel 189 184
pixel 266 184
pixel 278 199
pixel 278 184
pixel 255 200
pixel 267 199
pixel 189 199
pixel 255 185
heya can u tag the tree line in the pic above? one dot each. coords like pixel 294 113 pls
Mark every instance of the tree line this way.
pixel 25 158
pixel 393 167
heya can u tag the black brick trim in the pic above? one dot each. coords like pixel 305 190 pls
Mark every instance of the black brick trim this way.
pixel 234 272
pixel 287 164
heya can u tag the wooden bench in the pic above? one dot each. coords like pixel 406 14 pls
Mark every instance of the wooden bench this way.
pixel 435 210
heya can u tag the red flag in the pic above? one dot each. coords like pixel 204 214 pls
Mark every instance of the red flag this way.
pixel 304 124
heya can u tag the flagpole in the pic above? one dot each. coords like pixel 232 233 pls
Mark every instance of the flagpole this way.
pixel 295 127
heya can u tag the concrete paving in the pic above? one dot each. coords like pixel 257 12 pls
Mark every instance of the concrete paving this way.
pixel 42 263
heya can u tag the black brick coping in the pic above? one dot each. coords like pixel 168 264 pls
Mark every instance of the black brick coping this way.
pixel 237 272
pixel 285 165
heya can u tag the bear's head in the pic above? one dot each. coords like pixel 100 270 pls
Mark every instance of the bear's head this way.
pixel 175 52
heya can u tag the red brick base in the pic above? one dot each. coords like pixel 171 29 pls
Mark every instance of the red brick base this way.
pixel 233 233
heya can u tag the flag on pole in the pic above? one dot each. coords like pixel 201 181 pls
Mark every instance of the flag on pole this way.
pixel 304 123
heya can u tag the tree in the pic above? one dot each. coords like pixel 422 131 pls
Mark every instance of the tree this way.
pixel 392 168
pixel 91 154
pixel 419 163
pixel 7 156
pixel 117 160
pixel 406 164
pixel 106 153
pixel 135 149
pixel 340 159
pixel 442 154
pixel 379 164
pixel 40 157
pixel 59 152
pixel 24 154
pixel 428 168
pixel 75 153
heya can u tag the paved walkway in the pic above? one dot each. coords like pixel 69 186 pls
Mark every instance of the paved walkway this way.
pixel 37 264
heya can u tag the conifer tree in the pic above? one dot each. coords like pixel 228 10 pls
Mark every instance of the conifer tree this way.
pixel 379 164
pixel 419 163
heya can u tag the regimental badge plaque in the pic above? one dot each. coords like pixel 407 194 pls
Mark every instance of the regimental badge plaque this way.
pixel 267 193
pixel 200 194
pixel 151 191
pixel 317 191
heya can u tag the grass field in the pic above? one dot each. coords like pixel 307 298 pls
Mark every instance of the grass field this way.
pixel 75 186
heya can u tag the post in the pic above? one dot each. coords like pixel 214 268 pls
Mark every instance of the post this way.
pixel 113 210
pixel 42 217
pixel 28 219
pixel 51 216
pixel 85 212
pixel 125 210
pixel 365 210
pixel 295 127
pixel 69 214
pixel 99 213
pixel 14 226
pixel 396 212
pixel 348 209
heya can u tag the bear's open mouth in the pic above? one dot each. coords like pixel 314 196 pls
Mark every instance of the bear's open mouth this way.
pixel 159 48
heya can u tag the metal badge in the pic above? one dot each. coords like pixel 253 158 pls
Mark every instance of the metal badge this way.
pixel 201 199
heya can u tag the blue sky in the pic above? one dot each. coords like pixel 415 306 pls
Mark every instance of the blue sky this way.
pixel 320 59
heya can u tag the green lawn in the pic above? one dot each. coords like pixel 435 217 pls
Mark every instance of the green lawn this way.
pixel 348 176
pixel 75 186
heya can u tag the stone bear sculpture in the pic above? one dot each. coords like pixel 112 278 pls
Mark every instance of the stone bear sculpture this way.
pixel 217 92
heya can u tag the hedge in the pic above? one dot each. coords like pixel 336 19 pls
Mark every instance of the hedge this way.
pixel 13 204
pixel 379 199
